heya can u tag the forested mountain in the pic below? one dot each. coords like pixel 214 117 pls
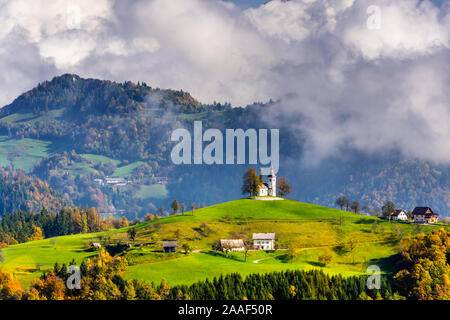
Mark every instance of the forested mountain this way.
pixel 21 192
pixel 71 131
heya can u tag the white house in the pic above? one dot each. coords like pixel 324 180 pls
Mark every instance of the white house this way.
pixel 264 241
pixel 269 188
pixel 400 215
pixel 232 245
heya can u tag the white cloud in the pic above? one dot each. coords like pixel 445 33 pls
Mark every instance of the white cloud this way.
pixel 349 86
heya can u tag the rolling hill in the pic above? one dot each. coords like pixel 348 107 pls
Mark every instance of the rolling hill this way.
pixel 308 229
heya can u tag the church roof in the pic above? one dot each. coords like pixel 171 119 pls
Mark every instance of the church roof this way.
pixel 264 186
pixel 272 174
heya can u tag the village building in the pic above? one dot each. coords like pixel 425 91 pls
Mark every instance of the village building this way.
pixel 232 245
pixel 400 215
pixel 116 181
pixel 264 241
pixel 96 245
pixel 169 246
pixel 269 188
pixel 424 215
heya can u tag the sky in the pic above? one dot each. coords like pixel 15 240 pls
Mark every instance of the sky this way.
pixel 372 75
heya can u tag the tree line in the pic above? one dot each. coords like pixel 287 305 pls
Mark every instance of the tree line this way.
pixel 24 226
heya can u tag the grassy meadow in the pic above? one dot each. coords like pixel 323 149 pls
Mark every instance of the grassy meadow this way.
pixel 307 229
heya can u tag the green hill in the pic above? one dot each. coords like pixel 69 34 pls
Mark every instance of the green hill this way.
pixel 308 229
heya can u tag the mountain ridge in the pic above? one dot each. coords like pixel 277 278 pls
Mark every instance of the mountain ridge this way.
pixel 105 127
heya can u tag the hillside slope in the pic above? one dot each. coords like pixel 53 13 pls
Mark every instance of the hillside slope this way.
pixel 308 229
pixel 21 192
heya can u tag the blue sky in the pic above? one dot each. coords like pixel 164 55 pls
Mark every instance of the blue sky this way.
pixel 248 3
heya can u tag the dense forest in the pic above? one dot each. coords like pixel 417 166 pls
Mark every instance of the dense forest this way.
pixel 129 125
pixel 21 192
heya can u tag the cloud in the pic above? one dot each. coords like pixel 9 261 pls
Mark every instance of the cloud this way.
pixel 346 85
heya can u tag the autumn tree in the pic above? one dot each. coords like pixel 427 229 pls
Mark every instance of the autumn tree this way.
pixel 9 287
pixel 283 187
pixel 251 182
pixel 175 206
pixel 37 234
pixel 325 257
pixel 183 208
pixel 192 207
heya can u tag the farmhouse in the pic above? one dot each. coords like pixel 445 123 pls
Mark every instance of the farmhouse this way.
pixel 169 246
pixel 424 215
pixel 400 215
pixel 264 241
pixel 96 245
pixel 232 245
pixel 269 188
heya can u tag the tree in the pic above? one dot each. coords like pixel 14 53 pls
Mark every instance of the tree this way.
pixel 251 182
pixel 183 208
pixel 355 207
pixel 131 234
pixel 192 207
pixel 9 287
pixel 342 202
pixel 247 246
pixel 37 234
pixel 177 234
pixel 353 242
pixel 175 206
pixel 291 252
pixel 226 247
pixel 216 246
pixel 186 248
pixel 388 209
pixel 325 257
pixel 283 187
pixel 161 211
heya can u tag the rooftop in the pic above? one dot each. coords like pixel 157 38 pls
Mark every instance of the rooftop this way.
pixel 264 236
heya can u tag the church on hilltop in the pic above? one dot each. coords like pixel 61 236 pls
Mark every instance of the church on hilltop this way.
pixel 269 188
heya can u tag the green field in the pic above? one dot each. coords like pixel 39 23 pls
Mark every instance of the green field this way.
pixel 156 191
pixel 22 153
pixel 308 229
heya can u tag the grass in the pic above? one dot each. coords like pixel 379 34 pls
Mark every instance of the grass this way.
pixel 22 259
pixel 155 191
pixel 125 171
pixel 307 228
pixel 199 266
pixel 22 153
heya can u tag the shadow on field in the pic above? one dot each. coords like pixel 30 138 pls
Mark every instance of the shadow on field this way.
pixel 365 221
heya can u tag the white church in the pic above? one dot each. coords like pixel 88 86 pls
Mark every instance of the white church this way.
pixel 269 188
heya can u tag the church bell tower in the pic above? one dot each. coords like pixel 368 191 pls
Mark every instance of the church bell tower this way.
pixel 272 182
